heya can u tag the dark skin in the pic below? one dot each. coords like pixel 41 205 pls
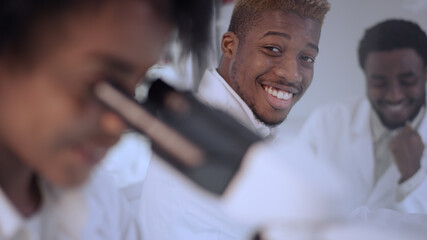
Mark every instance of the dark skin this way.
pixel 51 126
pixel 277 54
pixel 396 83
pixel 19 184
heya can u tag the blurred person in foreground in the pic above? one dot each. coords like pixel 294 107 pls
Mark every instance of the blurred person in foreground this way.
pixel 379 141
pixel 267 64
pixel 53 132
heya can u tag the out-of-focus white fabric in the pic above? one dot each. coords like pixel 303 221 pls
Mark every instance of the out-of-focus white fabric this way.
pixel 94 211
pixel 341 134
pixel 174 208
pixel 128 160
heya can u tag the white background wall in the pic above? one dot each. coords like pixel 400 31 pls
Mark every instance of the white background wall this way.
pixel 337 74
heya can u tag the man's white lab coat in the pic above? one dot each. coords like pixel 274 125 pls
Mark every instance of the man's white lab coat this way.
pixel 174 208
pixel 94 211
pixel 341 134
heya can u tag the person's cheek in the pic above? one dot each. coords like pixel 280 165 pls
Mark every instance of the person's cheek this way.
pixel 112 124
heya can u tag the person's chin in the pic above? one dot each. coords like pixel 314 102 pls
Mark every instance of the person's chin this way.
pixel 393 123
pixel 273 121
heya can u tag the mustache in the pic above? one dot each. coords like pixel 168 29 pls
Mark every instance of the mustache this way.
pixel 298 86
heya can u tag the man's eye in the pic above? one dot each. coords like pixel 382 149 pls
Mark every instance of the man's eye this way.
pixel 378 83
pixel 308 59
pixel 408 81
pixel 274 50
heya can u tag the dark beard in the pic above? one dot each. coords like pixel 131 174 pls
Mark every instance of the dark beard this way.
pixel 248 101
pixel 267 123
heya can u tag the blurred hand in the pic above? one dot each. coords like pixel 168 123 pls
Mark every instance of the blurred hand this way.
pixel 407 148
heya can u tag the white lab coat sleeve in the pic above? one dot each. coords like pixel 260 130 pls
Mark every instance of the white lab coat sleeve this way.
pixel 405 222
pixel 278 184
pixel 410 195
pixel 408 186
pixel 413 200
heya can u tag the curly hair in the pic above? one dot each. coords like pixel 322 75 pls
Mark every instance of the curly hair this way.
pixel 247 12
pixel 393 34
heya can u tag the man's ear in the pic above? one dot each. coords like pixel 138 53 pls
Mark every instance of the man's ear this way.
pixel 229 44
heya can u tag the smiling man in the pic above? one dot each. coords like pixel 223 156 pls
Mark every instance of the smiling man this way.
pixel 379 142
pixel 267 65
pixel 267 62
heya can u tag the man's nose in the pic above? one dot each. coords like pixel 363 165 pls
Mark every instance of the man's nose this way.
pixel 287 69
pixel 394 92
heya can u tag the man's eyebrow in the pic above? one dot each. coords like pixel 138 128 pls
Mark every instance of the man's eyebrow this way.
pixel 287 36
pixel 274 33
pixel 314 46
pixel 406 74
pixel 377 76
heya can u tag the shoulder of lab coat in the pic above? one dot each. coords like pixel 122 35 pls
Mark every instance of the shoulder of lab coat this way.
pixel 283 184
pixel 325 121
pixel 173 207
pixel 339 134
pixel 94 211
pixel 109 216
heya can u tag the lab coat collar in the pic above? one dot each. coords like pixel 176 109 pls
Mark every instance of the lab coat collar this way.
pixel 63 213
pixel 10 219
pixel 361 120
pixel 215 91
pixel 379 130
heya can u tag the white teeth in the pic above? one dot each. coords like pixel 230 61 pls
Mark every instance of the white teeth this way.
pixel 278 93
pixel 395 108
pixel 274 93
pixel 287 96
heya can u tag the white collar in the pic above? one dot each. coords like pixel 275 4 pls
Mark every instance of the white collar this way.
pixel 57 203
pixel 216 92
pixel 379 130
pixel 10 219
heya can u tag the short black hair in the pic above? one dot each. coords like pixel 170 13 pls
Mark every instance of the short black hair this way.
pixel 17 18
pixel 393 34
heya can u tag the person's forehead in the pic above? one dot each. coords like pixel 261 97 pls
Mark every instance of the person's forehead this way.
pixel 131 32
pixel 287 22
pixel 396 59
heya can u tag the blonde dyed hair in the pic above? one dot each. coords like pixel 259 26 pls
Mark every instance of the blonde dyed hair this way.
pixel 246 12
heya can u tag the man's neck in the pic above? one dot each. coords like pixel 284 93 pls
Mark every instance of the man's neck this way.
pixel 19 183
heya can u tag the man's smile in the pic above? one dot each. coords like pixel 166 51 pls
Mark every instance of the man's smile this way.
pixel 394 108
pixel 279 99
pixel 283 95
